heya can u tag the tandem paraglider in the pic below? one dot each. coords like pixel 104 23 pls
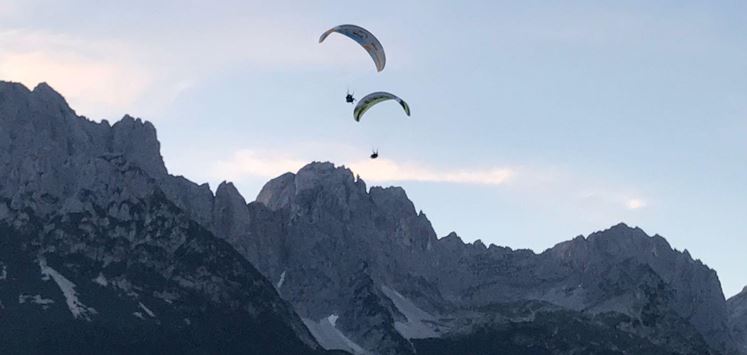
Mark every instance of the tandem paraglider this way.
pixel 375 98
pixel 349 98
pixel 373 47
pixel 366 39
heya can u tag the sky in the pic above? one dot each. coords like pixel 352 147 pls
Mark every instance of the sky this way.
pixel 532 122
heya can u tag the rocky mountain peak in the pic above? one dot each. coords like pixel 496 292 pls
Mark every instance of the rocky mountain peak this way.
pixel 230 212
pixel 15 97
pixel 622 244
pixel 393 199
pixel 137 139
pixel 227 188
pixel 278 192
pixel 228 196
pixel 740 300
pixel 45 147
pixel 451 243
pixel 360 266
pixel 93 227
pixel 337 184
pixel 620 239
pixel 452 236
pixel 620 230
pixel 18 93
pixel 44 92
pixel 324 174
pixel 9 87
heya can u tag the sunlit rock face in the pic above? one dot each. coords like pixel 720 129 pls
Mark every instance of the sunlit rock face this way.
pixel 94 255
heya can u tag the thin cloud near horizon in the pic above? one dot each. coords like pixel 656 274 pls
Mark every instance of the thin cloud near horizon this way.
pixel 104 77
pixel 247 163
pixel 533 182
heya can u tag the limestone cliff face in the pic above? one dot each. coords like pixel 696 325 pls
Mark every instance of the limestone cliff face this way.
pixel 92 204
pixel 94 254
pixel 737 308
pixel 321 224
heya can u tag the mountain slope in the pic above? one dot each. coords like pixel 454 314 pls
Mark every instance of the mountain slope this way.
pixel 538 328
pixel 94 257
pixel 737 306
pixel 315 229
pixel 100 245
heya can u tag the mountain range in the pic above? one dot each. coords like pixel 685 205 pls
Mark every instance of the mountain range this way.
pixel 102 250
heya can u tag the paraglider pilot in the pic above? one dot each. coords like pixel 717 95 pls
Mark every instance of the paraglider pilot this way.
pixel 349 98
pixel 375 154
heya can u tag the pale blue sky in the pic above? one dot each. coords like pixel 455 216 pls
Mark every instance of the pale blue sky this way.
pixel 532 122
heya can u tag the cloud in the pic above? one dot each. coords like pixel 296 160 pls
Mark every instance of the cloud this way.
pixel 247 163
pixel 384 170
pixel 7 8
pixel 617 196
pixel 98 76
pixel 540 188
pixel 142 74
pixel 551 186
pixel 636 203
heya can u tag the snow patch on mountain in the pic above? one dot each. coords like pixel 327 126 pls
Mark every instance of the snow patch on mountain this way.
pixel 572 298
pixel 280 283
pixel 146 310
pixel 101 280
pixel 78 309
pixel 35 299
pixel 166 296
pixel 125 285
pixel 419 322
pixel 331 338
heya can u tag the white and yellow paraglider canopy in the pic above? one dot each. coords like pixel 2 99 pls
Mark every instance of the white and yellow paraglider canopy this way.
pixel 375 98
pixel 366 39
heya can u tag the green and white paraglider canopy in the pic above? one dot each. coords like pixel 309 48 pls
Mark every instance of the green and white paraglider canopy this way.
pixel 366 39
pixel 375 98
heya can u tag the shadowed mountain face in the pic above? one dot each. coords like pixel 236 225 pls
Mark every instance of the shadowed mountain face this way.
pixel 101 246
pixel 737 306
pixel 94 258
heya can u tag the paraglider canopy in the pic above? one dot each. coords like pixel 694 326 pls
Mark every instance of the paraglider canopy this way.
pixel 366 39
pixel 372 99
